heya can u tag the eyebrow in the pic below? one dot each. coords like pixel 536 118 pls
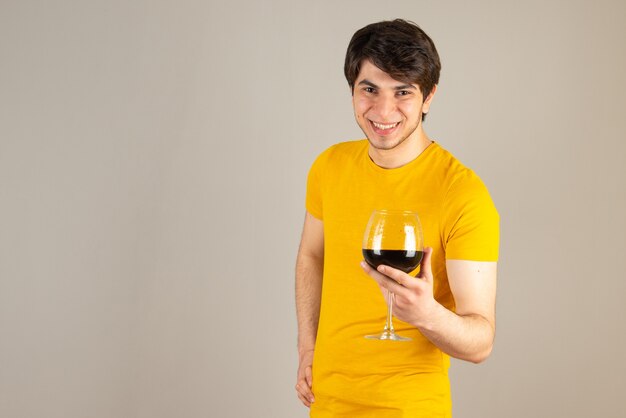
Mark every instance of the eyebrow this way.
pixel 368 83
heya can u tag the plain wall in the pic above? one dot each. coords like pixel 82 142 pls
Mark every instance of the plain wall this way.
pixel 153 158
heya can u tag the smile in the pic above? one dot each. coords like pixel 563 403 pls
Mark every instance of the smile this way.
pixel 385 127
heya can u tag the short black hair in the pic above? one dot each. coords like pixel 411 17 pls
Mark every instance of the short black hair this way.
pixel 398 47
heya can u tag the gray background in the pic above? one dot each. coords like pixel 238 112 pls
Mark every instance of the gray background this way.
pixel 153 158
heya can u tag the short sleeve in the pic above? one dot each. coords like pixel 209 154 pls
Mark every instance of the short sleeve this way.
pixel 314 186
pixel 471 224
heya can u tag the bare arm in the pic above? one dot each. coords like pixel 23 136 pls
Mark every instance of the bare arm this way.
pixel 309 270
pixel 467 334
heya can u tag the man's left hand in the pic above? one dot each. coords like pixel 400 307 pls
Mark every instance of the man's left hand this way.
pixel 414 301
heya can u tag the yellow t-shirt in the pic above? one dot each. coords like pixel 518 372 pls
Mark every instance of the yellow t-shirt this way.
pixel 356 377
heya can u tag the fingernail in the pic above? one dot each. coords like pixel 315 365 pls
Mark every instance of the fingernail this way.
pixel 363 264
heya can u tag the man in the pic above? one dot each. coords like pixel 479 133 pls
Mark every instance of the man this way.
pixel 392 69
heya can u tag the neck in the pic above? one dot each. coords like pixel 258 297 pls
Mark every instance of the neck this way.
pixel 403 153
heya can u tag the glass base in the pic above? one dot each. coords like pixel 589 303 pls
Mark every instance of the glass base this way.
pixel 388 335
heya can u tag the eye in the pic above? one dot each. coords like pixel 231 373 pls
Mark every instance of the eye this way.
pixel 369 90
pixel 403 93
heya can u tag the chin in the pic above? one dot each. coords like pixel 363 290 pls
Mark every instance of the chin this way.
pixel 385 144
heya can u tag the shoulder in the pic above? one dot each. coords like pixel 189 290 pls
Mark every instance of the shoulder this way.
pixel 469 218
pixel 346 149
pixel 340 153
pixel 455 176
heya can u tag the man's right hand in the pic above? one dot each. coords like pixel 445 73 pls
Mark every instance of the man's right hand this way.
pixel 309 273
pixel 305 378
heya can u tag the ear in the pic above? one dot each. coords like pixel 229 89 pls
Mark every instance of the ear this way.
pixel 429 99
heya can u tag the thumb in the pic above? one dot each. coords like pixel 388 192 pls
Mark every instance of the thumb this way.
pixel 426 271
pixel 308 376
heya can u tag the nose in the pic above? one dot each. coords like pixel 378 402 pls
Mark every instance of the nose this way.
pixel 384 107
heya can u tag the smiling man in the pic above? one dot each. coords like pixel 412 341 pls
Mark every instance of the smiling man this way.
pixel 448 309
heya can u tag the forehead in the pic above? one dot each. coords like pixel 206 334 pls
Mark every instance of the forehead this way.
pixel 368 71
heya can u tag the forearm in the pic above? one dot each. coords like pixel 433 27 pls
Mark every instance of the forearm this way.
pixel 466 337
pixel 309 270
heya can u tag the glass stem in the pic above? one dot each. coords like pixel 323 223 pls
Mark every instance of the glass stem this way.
pixel 389 324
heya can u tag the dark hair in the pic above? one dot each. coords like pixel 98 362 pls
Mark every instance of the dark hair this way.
pixel 399 48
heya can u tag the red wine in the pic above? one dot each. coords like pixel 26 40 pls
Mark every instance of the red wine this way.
pixel 406 261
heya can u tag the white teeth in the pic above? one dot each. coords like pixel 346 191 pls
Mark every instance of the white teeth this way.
pixel 381 126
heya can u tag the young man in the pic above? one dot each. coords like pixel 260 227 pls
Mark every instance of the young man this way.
pixel 449 308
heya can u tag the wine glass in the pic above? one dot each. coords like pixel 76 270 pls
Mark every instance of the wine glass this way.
pixel 393 238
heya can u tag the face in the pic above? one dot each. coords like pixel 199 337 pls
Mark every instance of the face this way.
pixel 388 111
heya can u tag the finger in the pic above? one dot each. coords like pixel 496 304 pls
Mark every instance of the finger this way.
pixel 384 291
pixel 382 280
pixel 304 389
pixel 304 400
pixel 426 271
pixel 398 276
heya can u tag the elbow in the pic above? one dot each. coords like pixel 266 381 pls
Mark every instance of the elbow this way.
pixel 480 356
pixel 483 349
